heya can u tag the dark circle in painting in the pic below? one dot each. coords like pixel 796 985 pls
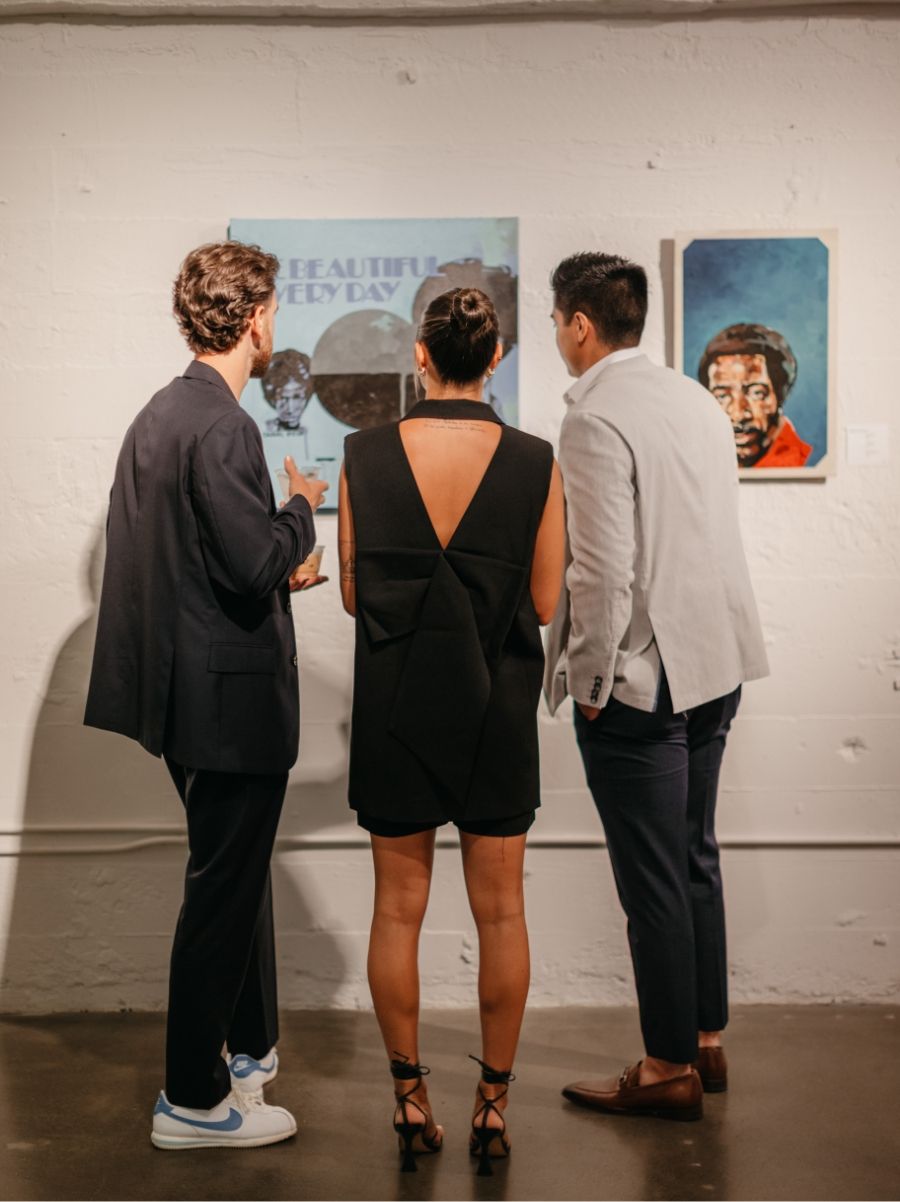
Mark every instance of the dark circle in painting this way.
pixel 498 282
pixel 362 368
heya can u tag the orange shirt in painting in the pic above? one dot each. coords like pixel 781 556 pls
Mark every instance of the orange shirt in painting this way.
pixel 788 449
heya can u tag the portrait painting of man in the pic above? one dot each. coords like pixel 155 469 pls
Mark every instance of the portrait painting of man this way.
pixel 754 325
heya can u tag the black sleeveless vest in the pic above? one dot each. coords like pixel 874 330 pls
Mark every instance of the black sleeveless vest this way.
pixel 449 657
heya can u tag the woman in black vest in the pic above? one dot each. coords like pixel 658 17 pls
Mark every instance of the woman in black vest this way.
pixel 451 536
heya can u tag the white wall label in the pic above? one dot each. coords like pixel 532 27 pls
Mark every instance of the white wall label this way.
pixel 868 445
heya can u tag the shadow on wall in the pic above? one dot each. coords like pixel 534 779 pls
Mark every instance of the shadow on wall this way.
pixel 667 278
pixel 99 877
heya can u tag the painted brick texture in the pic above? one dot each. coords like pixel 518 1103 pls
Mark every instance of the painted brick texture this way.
pixel 125 144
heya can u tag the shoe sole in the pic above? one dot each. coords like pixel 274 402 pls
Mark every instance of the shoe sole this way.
pixel 691 1115
pixel 177 1143
pixel 685 1114
pixel 715 1087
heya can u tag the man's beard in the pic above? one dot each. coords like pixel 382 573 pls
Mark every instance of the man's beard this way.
pixel 259 365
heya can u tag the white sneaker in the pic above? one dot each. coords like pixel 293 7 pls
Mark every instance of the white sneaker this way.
pixel 249 1075
pixel 242 1120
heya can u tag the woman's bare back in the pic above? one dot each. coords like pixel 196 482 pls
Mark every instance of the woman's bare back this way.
pixel 448 459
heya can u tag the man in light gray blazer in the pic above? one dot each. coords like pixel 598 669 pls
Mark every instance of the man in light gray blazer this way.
pixel 656 631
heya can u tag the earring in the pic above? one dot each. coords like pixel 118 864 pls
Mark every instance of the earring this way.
pixel 490 373
pixel 421 371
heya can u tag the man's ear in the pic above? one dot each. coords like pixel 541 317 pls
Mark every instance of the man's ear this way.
pixel 257 323
pixel 582 325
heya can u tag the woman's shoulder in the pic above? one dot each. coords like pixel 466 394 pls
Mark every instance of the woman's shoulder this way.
pixel 364 442
pixel 537 449
pixel 367 454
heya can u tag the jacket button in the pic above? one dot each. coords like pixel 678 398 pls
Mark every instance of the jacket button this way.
pixel 287 608
pixel 294 661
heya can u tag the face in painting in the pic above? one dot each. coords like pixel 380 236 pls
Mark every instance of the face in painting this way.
pixel 290 401
pixel 262 353
pixel 741 385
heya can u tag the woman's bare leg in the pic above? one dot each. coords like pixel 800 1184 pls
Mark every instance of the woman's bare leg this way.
pixel 493 870
pixel 402 882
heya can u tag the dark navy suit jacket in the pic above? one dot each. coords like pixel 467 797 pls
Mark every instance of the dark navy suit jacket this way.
pixel 195 655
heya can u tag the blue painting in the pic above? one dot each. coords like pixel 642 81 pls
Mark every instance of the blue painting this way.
pixel 351 295
pixel 754 329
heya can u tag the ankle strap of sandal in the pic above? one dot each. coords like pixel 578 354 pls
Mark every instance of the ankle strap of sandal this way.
pixel 494 1076
pixel 402 1069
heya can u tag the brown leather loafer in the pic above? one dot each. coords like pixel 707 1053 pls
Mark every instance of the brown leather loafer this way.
pixel 713 1069
pixel 680 1098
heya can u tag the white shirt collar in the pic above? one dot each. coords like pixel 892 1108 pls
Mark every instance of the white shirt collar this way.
pixel 580 386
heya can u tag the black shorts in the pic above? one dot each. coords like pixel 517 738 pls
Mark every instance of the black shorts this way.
pixel 518 824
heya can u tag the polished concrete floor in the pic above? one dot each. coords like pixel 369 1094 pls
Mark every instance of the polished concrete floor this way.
pixel 813 1113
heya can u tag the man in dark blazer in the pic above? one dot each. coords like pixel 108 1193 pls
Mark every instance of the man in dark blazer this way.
pixel 195 658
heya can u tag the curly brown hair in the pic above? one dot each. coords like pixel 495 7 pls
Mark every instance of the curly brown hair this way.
pixel 217 288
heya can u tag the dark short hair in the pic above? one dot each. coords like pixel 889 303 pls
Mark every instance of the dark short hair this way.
pixel 460 332
pixel 747 338
pixel 285 366
pixel 609 290
pixel 216 291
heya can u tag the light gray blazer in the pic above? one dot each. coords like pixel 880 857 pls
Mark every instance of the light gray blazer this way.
pixel 655 562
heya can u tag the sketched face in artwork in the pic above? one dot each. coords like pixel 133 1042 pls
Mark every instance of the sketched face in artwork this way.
pixel 742 386
pixel 288 388
pixel 290 401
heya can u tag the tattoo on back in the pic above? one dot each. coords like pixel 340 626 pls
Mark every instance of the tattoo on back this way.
pixel 452 424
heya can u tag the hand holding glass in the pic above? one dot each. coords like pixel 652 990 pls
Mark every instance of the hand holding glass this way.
pixel 308 574
pixel 295 483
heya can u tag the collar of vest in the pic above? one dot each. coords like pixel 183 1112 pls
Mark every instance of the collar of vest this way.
pixel 458 409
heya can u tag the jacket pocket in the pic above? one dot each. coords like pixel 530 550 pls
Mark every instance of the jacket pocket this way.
pixel 241 657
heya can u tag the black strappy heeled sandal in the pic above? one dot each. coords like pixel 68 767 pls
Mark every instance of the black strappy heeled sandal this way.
pixel 486 1142
pixel 411 1130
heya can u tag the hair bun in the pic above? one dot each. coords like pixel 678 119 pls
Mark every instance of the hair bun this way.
pixel 460 330
pixel 470 309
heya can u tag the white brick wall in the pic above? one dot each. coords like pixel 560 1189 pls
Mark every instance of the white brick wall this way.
pixel 123 145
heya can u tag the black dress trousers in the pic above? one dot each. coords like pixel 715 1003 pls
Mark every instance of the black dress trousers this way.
pixel 654 779
pixel 222 985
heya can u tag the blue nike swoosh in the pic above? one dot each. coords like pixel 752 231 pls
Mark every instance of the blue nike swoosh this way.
pixel 232 1123
pixel 245 1068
